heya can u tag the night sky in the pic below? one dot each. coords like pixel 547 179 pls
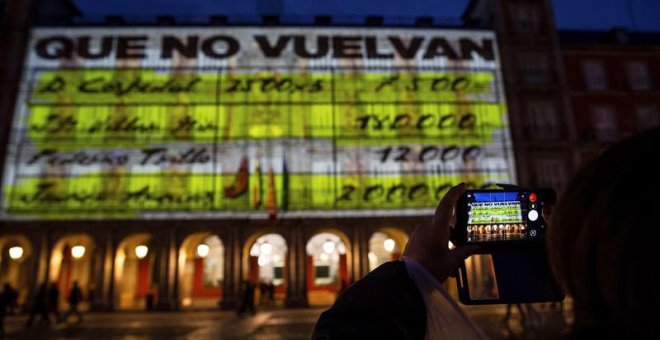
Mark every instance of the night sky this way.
pixel 571 14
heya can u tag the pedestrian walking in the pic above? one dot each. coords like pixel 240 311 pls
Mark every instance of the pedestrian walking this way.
pixel 247 301
pixel 53 301
pixel 75 298
pixel 11 295
pixel 4 306
pixel 40 307
pixel 271 293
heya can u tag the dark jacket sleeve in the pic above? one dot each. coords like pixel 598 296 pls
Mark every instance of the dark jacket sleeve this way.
pixel 385 304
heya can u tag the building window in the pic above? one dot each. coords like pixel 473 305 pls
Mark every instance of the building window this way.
pixel 604 123
pixel 638 75
pixel 526 18
pixel 550 173
pixel 534 68
pixel 543 121
pixel 647 117
pixel 594 75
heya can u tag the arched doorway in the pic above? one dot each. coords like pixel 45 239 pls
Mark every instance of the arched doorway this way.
pixel 385 245
pixel 267 269
pixel 327 268
pixel 15 259
pixel 71 260
pixel 135 274
pixel 201 271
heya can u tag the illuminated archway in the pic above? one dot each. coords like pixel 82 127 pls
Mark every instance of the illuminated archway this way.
pixel 327 268
pixel 71 260
pixel 15 257
pixel 267 265
pixel 201 271
pixel 385 245
pixel 135 274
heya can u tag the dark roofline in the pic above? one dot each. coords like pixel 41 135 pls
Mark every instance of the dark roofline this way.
pixel 72 7
pixel 614 37
pixel 468 9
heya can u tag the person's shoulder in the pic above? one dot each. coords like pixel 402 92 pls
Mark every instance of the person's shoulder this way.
pixel 383 304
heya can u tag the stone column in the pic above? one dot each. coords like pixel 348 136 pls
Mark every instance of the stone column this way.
pixel 232 279
pixel 296 294
pixel 166 263
pixel 360 253
pixel 101 298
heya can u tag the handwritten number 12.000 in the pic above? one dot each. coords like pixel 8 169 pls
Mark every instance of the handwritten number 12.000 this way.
pixel 429 153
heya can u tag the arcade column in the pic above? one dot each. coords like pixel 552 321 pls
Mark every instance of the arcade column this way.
pixel 360 252
pixel 232 278
pixel 101 298
pixel 166 262
pixel 296 295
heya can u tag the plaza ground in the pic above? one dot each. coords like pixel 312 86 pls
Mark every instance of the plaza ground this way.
pixel 548 323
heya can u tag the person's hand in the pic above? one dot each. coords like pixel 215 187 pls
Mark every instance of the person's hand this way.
pixel 429 243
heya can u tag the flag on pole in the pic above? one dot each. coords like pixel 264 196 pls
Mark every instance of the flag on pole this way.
pixel 271 198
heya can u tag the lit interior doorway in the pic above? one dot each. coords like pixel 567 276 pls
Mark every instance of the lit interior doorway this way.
pixel 135 274
pixel 15 262
pixel 267 269
pixel 72 261
pixel 386 245
pixel 201 271
pixel 327 268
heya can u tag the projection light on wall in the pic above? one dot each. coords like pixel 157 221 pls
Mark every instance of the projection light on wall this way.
pixel 15 253
pixel 78 251
pixel 203 250
pixel 141 251
pixel 389 245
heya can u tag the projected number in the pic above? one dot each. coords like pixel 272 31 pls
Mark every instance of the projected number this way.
pixel 399 192
pixel 429 153
pixel 272 84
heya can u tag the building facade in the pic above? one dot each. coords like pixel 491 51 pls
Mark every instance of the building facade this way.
pixel 106 178
pixel 613 79
pixel 541 118
pixel 128 257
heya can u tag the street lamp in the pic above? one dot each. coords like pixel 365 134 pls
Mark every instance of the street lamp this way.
pixel 266 248
pixel 203 250
pixel 262 260
pixel 141 251
pixel 78 251
pixel 389 245
pixel 328 246
pixel 15 253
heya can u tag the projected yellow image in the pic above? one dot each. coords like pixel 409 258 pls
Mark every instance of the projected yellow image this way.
pixel 257 134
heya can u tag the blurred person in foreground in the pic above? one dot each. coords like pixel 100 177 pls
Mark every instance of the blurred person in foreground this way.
pixel 600 246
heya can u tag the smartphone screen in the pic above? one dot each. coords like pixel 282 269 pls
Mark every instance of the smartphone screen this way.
pixel 500 216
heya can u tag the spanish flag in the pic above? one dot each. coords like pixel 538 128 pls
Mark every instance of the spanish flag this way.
pixel 257 190
pixel 271 196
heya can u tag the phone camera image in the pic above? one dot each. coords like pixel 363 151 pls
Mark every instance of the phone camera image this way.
pixel 502 216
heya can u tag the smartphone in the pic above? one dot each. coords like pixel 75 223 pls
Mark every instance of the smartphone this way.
pixel 500 217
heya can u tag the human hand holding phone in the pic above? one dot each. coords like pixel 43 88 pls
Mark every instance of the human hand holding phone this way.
pixel 429 242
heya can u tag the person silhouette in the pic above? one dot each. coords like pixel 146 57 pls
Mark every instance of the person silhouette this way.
pixel 53 301
pixel 247 301
pixel 75 298
pixel 39 307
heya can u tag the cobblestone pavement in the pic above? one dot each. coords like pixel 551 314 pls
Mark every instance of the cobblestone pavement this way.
pixel 545 323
